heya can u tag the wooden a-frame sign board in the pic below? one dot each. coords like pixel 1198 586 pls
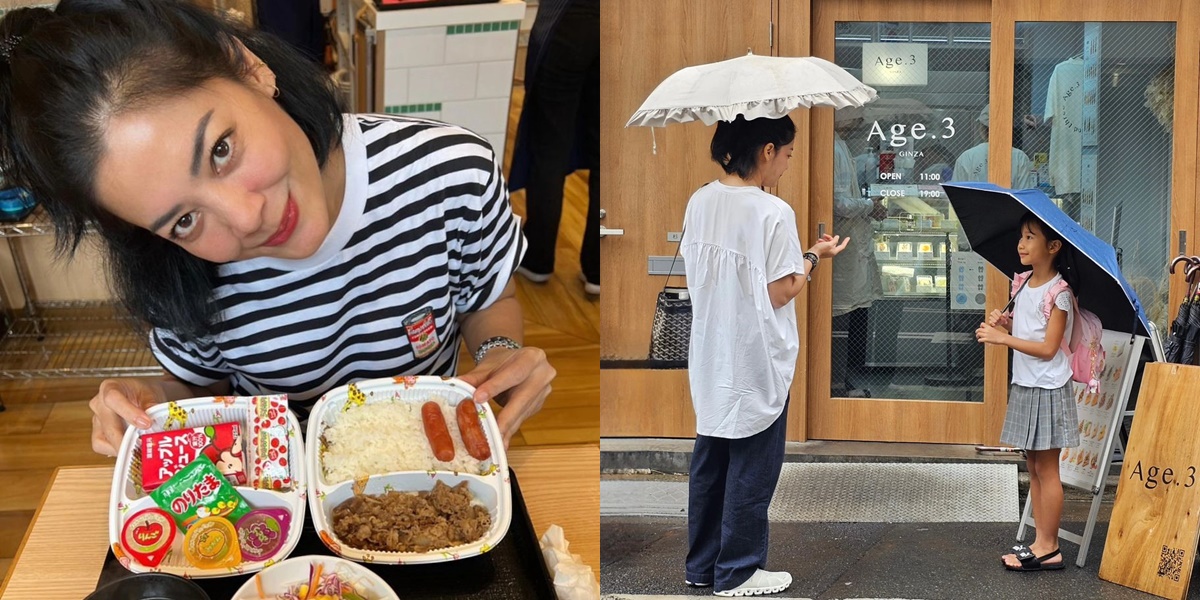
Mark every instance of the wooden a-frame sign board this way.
pixel 1155 522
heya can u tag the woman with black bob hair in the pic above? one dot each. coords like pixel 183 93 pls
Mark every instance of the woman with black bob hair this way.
pixel 270 243
pixel 744 267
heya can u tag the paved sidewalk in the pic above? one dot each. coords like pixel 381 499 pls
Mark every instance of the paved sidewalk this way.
pixel 642 558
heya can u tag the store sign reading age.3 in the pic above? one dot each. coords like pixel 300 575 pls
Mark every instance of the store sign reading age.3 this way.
pixel 1151 476
pixel 917 132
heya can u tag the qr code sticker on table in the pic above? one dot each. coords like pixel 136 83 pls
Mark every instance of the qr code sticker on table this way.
pixel 1170 563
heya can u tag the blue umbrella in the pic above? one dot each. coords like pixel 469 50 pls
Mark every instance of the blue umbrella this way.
pixel 991 215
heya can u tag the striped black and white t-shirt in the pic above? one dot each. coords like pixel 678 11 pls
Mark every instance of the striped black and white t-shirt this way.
pixel 425 235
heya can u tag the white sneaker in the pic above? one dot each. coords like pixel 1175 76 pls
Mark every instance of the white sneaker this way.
pixel 589 287
pixel 761 582
pixel 697 585
pixel 534 277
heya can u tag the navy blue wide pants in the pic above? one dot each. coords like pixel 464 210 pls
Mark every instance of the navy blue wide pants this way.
pixel 729 492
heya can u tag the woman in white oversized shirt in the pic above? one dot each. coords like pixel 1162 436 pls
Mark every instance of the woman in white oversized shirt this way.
pixel 744 266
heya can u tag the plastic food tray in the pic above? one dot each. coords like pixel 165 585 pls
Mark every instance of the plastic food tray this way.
pixel 513 570
pixel 490 486
pixel 127 497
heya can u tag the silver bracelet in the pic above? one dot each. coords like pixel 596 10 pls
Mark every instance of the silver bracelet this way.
pixel 495 342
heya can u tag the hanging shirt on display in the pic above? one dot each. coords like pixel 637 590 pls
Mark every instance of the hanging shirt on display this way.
pixel 1064 110
pixel 743 351
pixel 972 165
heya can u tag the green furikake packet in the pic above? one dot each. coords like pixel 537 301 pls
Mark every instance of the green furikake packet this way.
pixel 197 491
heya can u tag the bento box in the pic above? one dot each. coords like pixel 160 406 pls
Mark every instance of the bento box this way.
pixel 370 457
pixel 130 501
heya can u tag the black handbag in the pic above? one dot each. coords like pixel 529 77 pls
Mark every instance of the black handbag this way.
pixel 671 332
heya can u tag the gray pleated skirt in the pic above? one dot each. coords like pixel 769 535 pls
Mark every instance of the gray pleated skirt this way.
pixel 1041 419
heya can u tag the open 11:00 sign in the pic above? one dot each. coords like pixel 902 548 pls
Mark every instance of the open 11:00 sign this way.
pixel 917 131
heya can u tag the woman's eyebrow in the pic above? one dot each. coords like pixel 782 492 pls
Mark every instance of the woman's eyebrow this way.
pixel 198 146
pixel 158 224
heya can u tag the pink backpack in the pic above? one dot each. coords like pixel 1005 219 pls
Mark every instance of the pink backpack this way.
pixel 1085 348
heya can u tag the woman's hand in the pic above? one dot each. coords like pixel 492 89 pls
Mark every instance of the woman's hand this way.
pixel 118 403
pixel 991 334
pixel 828 246
pixel 519 380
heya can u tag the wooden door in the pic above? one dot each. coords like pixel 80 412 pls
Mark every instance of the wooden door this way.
pixel 880 417
pixel 645 192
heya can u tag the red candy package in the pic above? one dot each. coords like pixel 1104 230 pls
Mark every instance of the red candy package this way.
pixel 269 427
pixel 165 453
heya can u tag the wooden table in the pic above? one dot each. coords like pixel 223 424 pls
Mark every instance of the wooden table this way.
pixel 64 549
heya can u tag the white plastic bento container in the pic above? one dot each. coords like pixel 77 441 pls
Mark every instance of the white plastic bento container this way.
pixel 127 497
pixel 490 488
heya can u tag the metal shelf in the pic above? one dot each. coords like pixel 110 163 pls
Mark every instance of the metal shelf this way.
pixel 37 223
pixel 78 339
pixel 933 261
pixel 941 294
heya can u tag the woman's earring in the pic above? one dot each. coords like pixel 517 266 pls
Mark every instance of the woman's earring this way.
pixel 276 94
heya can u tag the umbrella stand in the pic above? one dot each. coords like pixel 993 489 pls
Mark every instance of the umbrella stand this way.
pixel 951 377
pixel 1175 339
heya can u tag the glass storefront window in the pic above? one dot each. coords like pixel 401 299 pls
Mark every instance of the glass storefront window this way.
pixel 1093 112
pixel 907 294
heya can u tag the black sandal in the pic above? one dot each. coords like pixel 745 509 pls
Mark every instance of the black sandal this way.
pixel 1029 562
pixel 1019 548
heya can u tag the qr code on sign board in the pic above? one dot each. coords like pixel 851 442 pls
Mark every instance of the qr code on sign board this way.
pixel 1170 563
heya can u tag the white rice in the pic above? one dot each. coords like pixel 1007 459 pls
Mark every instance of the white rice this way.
pixel 389 436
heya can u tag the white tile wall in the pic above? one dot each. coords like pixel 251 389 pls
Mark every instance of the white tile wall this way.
pixel 495 79
pixel 479 47
pixel 442 83
pixel 497 142
pixel 415 47
pixel 395 87
pixel 481 116
pixel 469 74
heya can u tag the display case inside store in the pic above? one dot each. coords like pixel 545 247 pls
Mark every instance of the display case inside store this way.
pixel 926 316
pixel 914 242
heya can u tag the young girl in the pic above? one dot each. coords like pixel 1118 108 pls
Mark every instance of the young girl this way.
pixel 1041 414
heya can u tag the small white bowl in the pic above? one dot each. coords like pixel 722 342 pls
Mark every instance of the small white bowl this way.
pixel 490 487
pixel 277 578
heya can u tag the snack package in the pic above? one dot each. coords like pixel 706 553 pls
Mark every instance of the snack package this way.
pixel 268 418
pixel 165 453
pixel 212 543
pixel 262 532
pixel 147 536
pixel 199 491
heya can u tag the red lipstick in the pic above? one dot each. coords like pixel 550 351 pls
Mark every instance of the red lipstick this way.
pixel 287 225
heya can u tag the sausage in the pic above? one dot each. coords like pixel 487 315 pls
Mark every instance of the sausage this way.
pixel 472 430
pixel 437 432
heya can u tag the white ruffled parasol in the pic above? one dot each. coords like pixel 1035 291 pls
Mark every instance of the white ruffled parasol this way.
pixel 752 86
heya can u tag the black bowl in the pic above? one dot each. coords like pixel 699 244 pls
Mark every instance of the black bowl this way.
pixel 150 586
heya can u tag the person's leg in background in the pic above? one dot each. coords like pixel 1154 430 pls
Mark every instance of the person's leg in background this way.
pixel 839 355
pixel 297 21
pixel 589 114
pixel 553 104
pixel 857 336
